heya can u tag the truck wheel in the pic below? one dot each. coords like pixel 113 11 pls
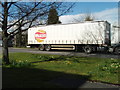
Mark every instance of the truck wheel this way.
pixel 106 49
pixel 117 50
pixel 88 49
pixel 47 47
pixel 94 49
pixel 41 47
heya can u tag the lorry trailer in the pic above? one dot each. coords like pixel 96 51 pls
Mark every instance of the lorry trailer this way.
pixel 88 36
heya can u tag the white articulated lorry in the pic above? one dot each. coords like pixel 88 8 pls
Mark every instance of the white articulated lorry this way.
pixel 87 36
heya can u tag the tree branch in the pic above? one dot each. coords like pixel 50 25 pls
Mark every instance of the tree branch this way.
pixel 31 22
pixel 1 21
pixel 33 9
pixel 11 3
pixel 67 9
pixel 1 4
pixel 24 16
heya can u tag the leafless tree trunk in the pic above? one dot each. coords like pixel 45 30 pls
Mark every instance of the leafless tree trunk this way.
pixel 5 34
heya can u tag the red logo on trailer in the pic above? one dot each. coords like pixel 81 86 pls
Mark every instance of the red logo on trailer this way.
pixel 40 35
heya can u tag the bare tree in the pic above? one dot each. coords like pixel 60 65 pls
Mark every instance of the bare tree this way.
pixel 88 16
pixel 22 14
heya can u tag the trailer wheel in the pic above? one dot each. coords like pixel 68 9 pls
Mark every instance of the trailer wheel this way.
pixel 117 50
pixel 88 49
pixel 47 47
pixel 41 47
pixel 106 49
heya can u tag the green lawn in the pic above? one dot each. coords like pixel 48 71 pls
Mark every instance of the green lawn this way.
pixel 36 70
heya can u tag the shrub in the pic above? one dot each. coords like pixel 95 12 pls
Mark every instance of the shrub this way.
pixel 20 63
pixel 45 58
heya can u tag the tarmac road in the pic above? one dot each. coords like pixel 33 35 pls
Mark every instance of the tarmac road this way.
pixel 70 53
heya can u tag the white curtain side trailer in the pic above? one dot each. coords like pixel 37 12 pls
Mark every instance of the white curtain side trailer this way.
pixel 86 35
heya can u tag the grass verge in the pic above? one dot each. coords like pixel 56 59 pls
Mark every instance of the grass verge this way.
pixel 36 70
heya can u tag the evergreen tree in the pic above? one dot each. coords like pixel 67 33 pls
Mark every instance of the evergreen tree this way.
pixel 53 17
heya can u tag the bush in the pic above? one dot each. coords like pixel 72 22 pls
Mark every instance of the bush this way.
pixel 20 64
pixel 45 58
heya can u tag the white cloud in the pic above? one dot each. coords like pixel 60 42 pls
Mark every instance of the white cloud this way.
pixel 111 15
